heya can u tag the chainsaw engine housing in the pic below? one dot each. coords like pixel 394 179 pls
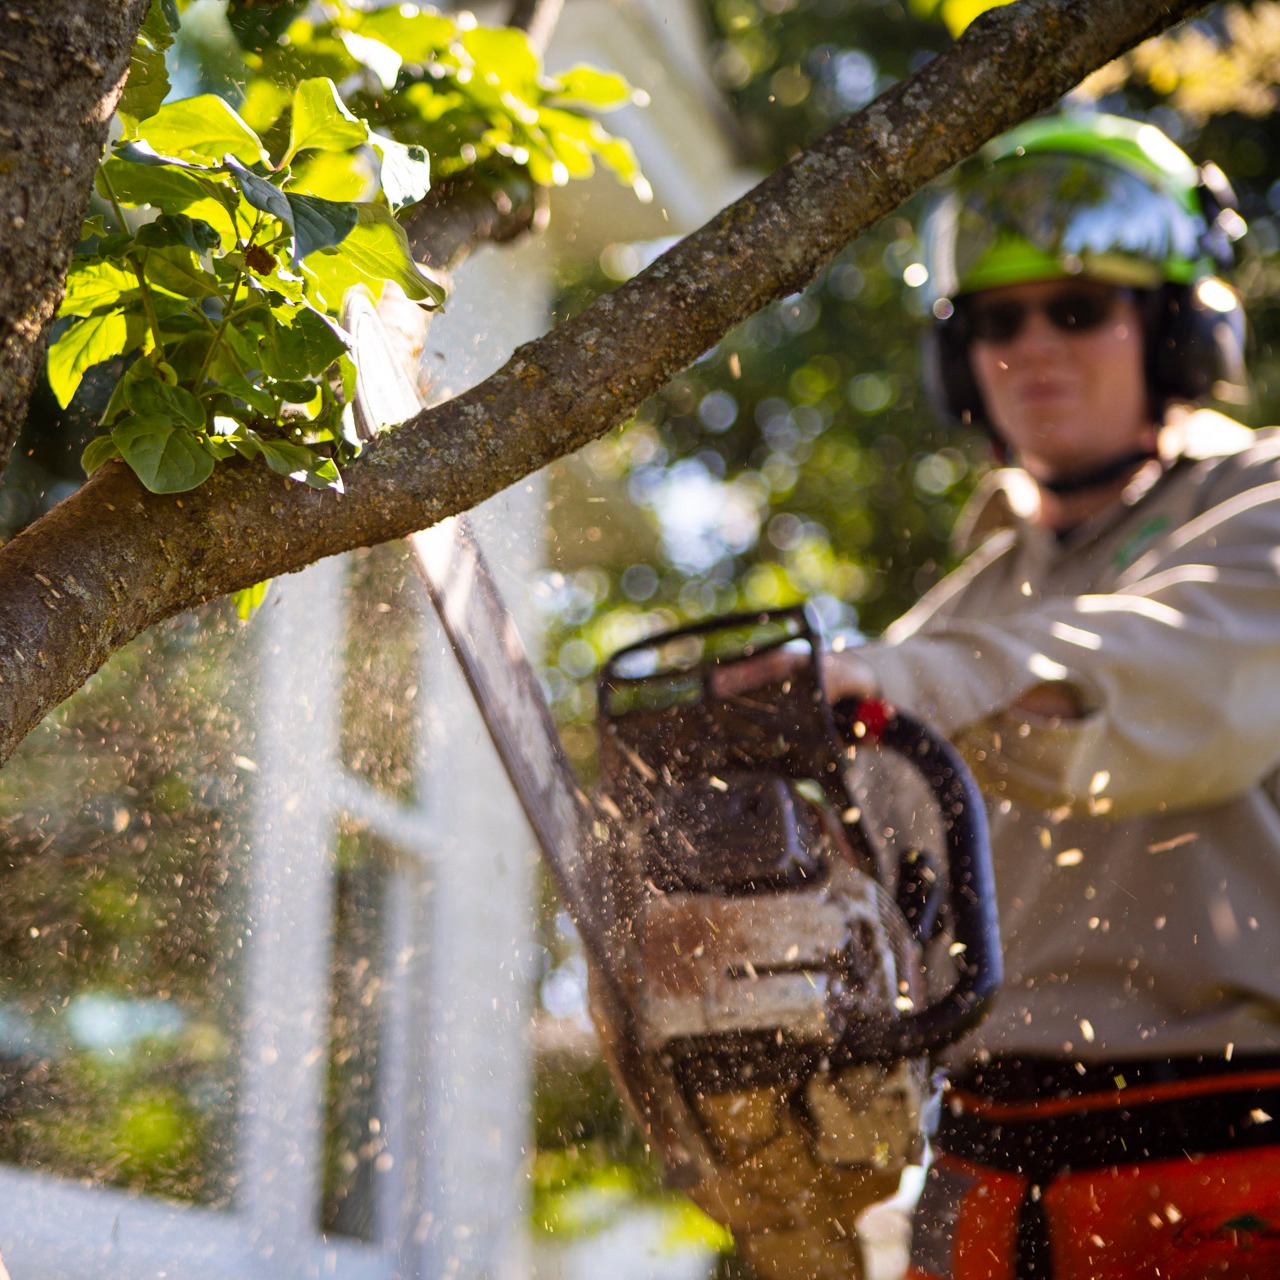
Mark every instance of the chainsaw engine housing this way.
pixel 774 965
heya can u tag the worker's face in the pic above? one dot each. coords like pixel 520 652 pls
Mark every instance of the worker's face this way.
pixel 1060 367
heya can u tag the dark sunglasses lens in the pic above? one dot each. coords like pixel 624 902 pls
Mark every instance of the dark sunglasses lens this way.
pixel 996 321
pixel 1079 311
pixel 1073 311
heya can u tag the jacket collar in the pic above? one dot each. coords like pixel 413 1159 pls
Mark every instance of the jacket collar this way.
pixel 1008 498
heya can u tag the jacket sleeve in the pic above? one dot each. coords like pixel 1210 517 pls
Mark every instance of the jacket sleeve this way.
pixel 1177 672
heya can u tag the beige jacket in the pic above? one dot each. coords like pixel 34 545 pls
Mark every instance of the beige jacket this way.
pixel 1137 848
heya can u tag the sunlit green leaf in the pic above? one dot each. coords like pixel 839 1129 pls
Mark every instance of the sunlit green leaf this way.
pixel 504 57
pixel 263 102
pixel 617 154
pixel 405 174
pixel 167 187
pixel 957 14
pixel 342 176
pixel 203 128
pixel 414 35
pixel 377 250
pixel 92 285
pixel 165 458
pixel 322 120
pixel 593 88
pixel 384 61
pixel 249 599
pixel 98 451
pixel 86 343
pixel 178 271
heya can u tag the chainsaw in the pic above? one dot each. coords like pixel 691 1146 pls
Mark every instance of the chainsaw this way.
pixel 763 962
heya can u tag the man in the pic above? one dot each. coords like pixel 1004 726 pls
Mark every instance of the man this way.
pixel 1108 660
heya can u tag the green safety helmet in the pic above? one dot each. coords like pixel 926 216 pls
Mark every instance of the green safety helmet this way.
pixel 1098 196
pixel 1094 195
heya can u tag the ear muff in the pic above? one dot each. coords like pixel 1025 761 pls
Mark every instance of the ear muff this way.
pixel 948 376
pixel 1195 343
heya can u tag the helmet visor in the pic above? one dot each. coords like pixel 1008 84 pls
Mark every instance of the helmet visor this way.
pixel 1046 215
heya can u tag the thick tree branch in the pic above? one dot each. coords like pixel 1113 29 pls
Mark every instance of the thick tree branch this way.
pixel 537 18
pixel 62 67
pixel 463 213
pixel 112 559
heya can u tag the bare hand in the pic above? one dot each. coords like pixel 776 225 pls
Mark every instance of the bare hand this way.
pixel 844 674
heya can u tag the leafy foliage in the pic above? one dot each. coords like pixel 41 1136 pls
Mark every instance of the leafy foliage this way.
pixel 226 297
pixel 237 234
pixel 475 97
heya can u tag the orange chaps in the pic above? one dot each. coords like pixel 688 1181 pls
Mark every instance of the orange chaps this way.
pixel 1148 1171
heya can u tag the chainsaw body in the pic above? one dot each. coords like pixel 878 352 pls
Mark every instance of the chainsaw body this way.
pixel 773 966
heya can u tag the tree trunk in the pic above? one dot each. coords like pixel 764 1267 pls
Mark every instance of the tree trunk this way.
pixel 62 66
pixel 113 559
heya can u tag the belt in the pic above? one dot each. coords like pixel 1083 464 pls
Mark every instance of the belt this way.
pixel 1042 1117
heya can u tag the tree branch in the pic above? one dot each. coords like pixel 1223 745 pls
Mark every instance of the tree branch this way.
pixel 113 559
pixel 537 18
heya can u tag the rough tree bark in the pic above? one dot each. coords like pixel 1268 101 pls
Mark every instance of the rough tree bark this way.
pixel 62 67
pixel 112 559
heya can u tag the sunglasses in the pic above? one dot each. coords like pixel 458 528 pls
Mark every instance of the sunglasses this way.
pixel 1080 309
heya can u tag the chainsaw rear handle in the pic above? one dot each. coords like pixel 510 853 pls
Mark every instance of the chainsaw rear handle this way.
pixel 972 894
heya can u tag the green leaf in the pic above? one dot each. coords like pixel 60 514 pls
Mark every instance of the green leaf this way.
pixel 343 176
pixel 377 250
pixel 165 458
pixel 248 599
pixel 504 53
pixel 320 224
pixel 616 154
pixel 177 271
pixel 86 343
pixel 179 229
pixel 256 25
pixel 300 463
pixel 375 56
pixel 149 397
pixel 262 103
pixel 593 88
pixel 406 171
pixel 169 187
pixel 203 128
pixel 256 397
pixel 93 285
pixel 414 35
pixel 170 10
pixel 97 452
pixel 304 347
pixel 148 82
pixel 314 223
pixel 321 120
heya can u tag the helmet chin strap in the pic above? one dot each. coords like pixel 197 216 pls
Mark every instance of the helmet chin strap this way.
pixel 1097 477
